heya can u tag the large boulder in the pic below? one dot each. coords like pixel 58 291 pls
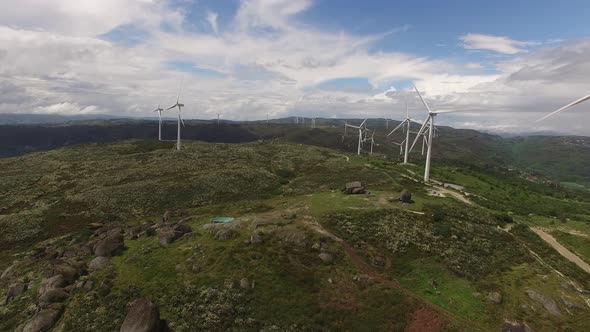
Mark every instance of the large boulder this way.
pixel 405 197
pixel 514 326
pixel 57 295
pixel 353 188
pixel 143 316
pixel 110 245
pixel 9 272
pixel 167 236
pixel 224 234
pixel 99 263
pixel 547 302
pixel 15 290
pixel 57 281
pixel 44 319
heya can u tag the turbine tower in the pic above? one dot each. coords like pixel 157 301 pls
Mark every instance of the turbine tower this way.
pixel 568 106
pixel 360 129
pixel 159 110
pixel 218 116
pixel 428 124
pixel 180 106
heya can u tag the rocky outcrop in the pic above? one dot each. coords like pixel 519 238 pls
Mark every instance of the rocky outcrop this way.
pixel 143 316
pixel 13 292
pixel 44 319
pixel 54 282
pixel 354 188
pixel 405 197
pixel 548 303
pixel 99 263
pixel 513 326
pixel 110 245
pixel 167 236
pixel 57 295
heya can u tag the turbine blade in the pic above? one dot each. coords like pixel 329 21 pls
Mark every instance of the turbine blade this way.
pixel 362 123
pixel 171 107
pixel 419 132
pixel 423 101
pixel 572 104
pixel 396 128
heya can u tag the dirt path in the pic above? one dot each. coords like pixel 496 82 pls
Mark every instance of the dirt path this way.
pixel 454 194
pixel 563 251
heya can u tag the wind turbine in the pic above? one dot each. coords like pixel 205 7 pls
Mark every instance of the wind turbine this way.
pixel 570 105
pixel 370 139
pixel 159 110
pixel 180 106
pixel 218 115
pixel 428 123
pixel 360 129
pixel 405 125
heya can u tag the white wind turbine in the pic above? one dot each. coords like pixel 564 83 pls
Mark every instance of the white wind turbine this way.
pixel 568 106
pixel 159 110
pixel 360 129
pixel 405 125
pixel 370 139
pixel 428 123
pixel 180 106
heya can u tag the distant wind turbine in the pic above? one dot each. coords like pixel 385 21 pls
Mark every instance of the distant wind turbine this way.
pixel 159 110
pixel 180 106
pixel 360 129
pixel 568 106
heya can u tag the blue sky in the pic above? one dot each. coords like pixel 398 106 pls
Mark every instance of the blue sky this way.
pixel 503 63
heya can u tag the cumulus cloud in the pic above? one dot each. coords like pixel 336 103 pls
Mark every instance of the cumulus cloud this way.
pixel 264 61
pixel 505 45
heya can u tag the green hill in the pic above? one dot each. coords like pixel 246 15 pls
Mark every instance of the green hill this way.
pixel 300 256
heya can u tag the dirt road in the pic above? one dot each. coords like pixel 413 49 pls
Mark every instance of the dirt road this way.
pixel 453 193
pixel 563 251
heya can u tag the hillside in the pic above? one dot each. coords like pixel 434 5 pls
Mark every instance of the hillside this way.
pixel 89 229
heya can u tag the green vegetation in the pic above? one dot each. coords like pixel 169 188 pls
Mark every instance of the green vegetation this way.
pixel 438 257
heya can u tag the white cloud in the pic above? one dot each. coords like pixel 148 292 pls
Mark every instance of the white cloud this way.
pixel 265 61
pixel 505 45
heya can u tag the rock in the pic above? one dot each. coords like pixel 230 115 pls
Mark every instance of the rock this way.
pixel 405 197
pixel 326 257
pixel 362 280
pixel 43 320
pixel 196 268
pixel 99 263
pixel 245 283
pixel 88 285
pixel 179 267
pixel 182 229
pixel 354 188
pixel 513 326
pixel 143 316
pixel 68 272
pixel 110 245
pixel 378 261
pixel 166 216
pixel 14 291
pixel 134 232
pixel 95 225
pixel 10 271
pixel 255 238
pixel 54 282
pixel 495 297
pixel 570 304
pixel 167 237
pixel 224 234
pixel 54 296
pixel 547 302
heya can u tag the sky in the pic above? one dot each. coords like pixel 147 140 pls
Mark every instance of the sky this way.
pixel 500 64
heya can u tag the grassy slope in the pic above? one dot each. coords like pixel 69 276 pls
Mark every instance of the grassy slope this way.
pixel 137 180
